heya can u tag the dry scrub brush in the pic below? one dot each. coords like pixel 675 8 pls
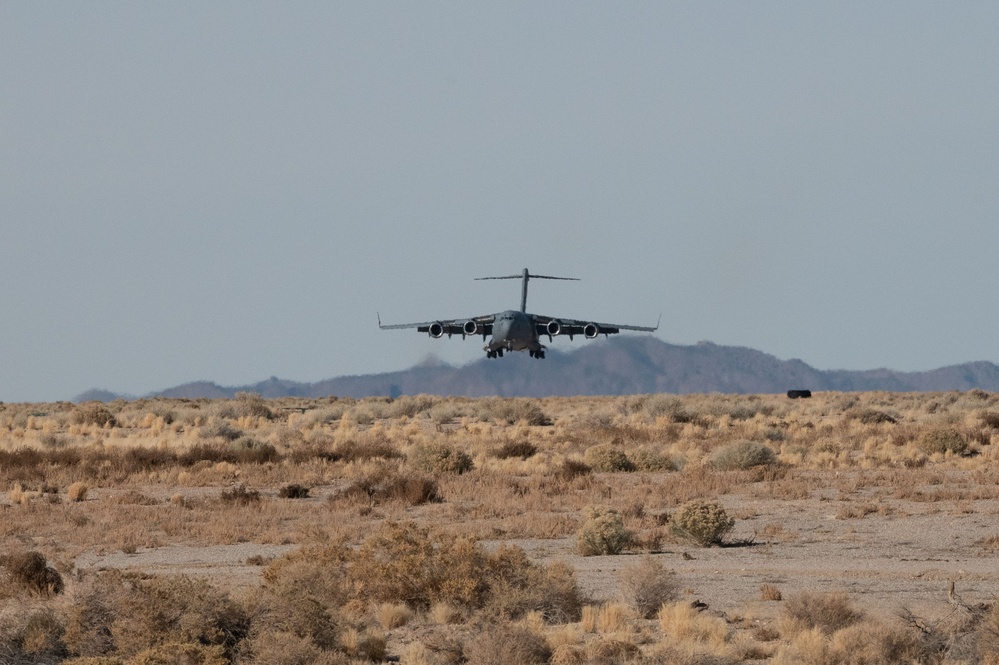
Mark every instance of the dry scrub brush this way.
pixel 603 532
pixel 703 523
pixel 648 585
pixel 420 567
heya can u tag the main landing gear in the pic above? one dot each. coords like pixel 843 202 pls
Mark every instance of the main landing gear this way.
pixel 498 353
pixel 539 354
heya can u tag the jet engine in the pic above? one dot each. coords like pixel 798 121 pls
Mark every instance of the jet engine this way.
pixel 554 327
pixel 436 330
pixel 470 327
pixel 591 330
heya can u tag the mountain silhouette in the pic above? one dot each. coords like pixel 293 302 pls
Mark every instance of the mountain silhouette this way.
pixel 624 365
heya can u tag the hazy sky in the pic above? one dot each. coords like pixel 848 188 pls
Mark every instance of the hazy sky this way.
pixel 230 191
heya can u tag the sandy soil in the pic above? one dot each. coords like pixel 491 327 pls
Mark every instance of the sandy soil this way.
pixel 903 559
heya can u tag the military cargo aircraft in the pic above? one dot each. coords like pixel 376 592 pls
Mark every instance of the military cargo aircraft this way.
pixel 516 331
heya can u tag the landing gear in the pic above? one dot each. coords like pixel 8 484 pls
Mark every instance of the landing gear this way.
pixel 498 353
pixel 539 354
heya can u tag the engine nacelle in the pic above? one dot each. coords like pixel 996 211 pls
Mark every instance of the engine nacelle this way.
pixel 436 330
pixel 554 327
pixel 470 327
pixel 591 330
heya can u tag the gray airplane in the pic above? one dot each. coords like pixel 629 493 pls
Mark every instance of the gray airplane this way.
pixel 516 331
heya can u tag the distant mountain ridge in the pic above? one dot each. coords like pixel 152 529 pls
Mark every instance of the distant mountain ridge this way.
pixel 625 365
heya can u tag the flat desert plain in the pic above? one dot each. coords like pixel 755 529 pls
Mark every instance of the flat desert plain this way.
pixel 844 528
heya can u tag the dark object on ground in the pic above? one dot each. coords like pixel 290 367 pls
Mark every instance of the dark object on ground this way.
pixel 795 394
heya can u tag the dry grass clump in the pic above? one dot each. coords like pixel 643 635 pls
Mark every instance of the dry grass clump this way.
pixel 245 405
pixel 703 523
pixel 648 459
pixel 441 458
pixel 770 592
pixel 667 406
pixel 293 491
pixel 940 440
pixel 869 643
pixel 682 622
pixel 511 449
pixel 602 532
pixel 239 495
pixel 402 563
pixel 372 446
pixel 94 413
pixel 570 469
pixel 34 636
pixel 743 455
pixel 393 615
pixel 828 612
pixel 611 650
pixel 989 419
pixel 412 489
pixel 513 411
pixel 125 615
pixel 30 572
pixel 607 458
pixel 77 492
pixel 504 644
pixel 410 406
pixel 871 416
pixel 220 429
pixel 647 585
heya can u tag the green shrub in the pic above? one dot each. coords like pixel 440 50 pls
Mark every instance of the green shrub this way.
pixel 942 440
pixel 606 457
pixel 602 532
pixel 743 455
pixel 441 458
pixel 703 523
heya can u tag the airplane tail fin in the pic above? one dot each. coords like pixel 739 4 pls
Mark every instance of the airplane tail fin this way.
pixel 526 276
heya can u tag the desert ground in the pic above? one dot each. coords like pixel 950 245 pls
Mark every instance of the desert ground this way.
pixel 843 528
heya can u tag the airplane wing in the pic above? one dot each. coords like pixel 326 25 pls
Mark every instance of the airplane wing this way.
pixel 476 325
pixel 551 325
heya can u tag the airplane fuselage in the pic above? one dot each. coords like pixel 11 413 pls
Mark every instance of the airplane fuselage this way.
pixel 513 331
